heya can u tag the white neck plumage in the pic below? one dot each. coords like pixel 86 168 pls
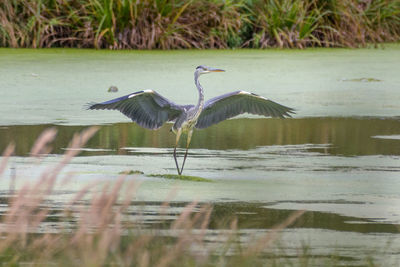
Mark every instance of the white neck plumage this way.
pixel 200 103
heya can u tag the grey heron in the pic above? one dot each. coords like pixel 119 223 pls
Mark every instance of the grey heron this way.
pixel 151 110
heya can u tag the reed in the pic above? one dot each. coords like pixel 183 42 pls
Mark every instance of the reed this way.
pixel 176 24
pixel 287 23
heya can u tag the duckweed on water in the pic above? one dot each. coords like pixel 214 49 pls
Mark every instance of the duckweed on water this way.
pixel 180 177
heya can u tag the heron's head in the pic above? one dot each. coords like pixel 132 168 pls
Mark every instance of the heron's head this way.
pixel 204 69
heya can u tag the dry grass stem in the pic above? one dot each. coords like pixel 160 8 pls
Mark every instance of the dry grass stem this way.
pixel 5 157
pixel 41 144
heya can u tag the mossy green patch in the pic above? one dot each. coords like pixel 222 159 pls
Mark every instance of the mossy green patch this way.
pixel 130 172
pixel 181 177
pixel 365 80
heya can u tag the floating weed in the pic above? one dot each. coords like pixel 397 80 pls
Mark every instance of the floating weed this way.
pixel 181 177
pixel 364 80
pixel 131 172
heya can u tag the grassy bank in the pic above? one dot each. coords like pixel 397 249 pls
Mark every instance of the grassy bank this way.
pixel 173 24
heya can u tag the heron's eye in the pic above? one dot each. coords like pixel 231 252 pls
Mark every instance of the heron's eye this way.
pixel 200 67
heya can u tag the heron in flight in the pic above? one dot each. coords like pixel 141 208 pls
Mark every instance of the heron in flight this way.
pixel 151 110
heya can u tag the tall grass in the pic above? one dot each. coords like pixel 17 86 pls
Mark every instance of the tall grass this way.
pixel 287 23
pixel 360 22
pixel 119 24
pixel 173 24
pixel 99 230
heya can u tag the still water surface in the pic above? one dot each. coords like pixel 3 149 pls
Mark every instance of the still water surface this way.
pixel 338 158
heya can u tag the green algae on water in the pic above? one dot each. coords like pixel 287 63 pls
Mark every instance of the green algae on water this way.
pixel 364 80
pixel 181 177
pixel 130 172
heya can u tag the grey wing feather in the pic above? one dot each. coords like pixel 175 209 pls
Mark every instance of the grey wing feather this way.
pixel 232 104
pixel 147 108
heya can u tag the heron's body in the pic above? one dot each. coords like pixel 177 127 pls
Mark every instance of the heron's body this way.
pixel 151 110
pixel 188 119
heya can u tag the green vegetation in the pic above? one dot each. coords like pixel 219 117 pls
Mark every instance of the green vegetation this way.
pixel 181 177
pixel 172 24
pixel 368 80
pixel 131 172
pixel 168 176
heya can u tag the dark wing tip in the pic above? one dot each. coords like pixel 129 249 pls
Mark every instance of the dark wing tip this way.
pixel 89 105
pixel 289 111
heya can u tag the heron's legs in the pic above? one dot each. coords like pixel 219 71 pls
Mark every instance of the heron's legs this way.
pixel 178 136
pixel 176 161
pixel 189 137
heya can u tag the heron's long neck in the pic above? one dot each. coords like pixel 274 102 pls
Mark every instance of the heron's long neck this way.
pixel 200 103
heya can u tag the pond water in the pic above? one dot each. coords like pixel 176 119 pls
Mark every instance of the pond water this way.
pixel 338 158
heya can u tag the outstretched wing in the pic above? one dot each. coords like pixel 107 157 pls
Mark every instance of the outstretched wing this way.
pixel 147 108
pixel 232 104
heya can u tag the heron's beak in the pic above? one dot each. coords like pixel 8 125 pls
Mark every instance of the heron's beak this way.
pixel 215 70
